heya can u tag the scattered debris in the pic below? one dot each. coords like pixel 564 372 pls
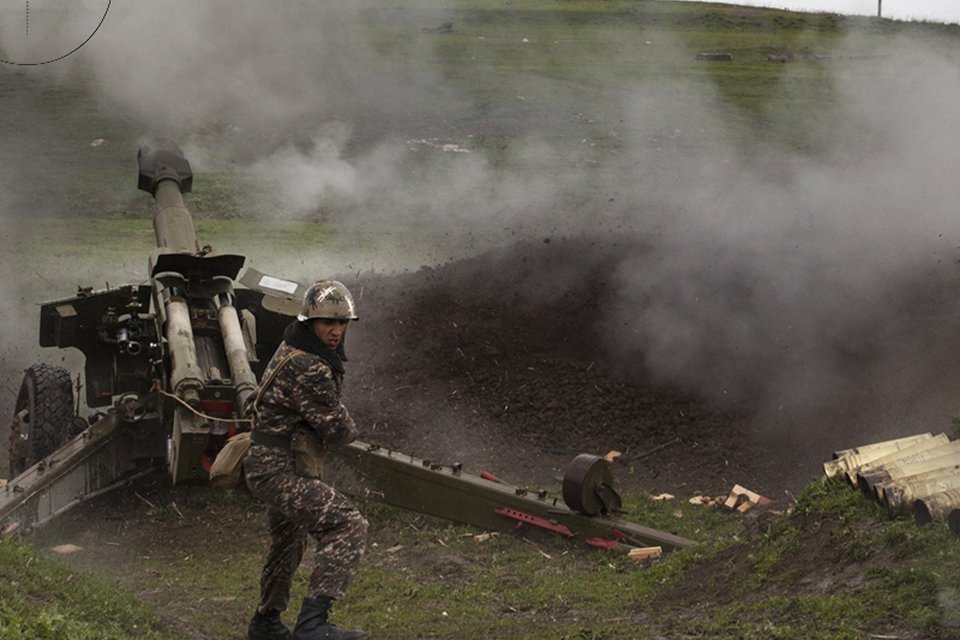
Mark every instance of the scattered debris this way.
pixel 644 454
pixel 822 58
pixel 742 499
pixel 395 548
pixel 483 537
pixel 714 56
pixel 446 147
pixel 149 504
pixel 705 501
pixel 97 142
pixel 9 528
pixel 642 554
pixel 612 455
pixel 662 497
pixel 64 549
pixel 784 58
pixel 537 547
pixel 637 554
pixel 446 27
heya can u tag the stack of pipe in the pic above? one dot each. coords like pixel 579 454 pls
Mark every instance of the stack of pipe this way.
pixel 918 474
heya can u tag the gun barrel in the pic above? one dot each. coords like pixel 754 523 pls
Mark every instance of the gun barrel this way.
pixel 166 175
pixel 173 224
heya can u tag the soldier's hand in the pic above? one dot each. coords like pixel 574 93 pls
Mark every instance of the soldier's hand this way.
pixel 346 431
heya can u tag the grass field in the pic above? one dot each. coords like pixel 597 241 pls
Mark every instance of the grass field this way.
pixel 195 552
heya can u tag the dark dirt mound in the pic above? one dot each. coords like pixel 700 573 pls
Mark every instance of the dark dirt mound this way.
pixel 498 361
pixel 512 360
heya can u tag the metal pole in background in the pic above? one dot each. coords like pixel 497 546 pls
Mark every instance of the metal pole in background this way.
pixel 879 8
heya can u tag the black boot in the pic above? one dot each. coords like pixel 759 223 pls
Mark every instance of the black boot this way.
pixel 312 623
pixel 267 626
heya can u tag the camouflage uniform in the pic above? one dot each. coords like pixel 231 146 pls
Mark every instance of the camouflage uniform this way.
pixel 301 390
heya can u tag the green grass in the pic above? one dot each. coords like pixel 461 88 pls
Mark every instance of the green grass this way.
pixel 41 599
pixel 534 589
pixel 898 574
pixel 198 553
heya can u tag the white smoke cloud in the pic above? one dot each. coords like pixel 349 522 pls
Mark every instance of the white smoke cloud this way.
pixel 275 72
pixel 790 276
pixel 763 270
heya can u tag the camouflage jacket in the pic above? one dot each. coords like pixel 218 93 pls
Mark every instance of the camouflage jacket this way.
pixel 299 388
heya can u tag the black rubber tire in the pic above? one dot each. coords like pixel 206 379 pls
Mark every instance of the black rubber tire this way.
pixel 46 397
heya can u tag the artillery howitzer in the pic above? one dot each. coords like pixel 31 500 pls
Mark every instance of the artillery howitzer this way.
pixel 168 367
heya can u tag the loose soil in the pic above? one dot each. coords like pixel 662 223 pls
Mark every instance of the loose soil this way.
pixel 492 362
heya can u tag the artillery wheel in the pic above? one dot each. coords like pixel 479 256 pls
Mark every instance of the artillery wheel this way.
pixel 588 486
pixel 43 417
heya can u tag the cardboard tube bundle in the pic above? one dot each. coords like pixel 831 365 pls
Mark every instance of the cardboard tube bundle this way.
pixel 850 458
pixel 936 507
pixel 918 451
pixel 917 474
pixel 898 497
pixel 943 458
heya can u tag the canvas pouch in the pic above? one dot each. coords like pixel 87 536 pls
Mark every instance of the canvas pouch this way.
pixel 308 453
pixel 227 467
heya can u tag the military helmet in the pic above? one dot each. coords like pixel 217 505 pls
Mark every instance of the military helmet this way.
pixel 328 299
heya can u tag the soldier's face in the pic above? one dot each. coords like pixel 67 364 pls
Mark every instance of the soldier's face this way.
pixel 330 332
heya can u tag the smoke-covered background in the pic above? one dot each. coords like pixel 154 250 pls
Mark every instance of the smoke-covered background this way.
pixel 814 282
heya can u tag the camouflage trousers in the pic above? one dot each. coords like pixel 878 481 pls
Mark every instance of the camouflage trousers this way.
pixel 299 506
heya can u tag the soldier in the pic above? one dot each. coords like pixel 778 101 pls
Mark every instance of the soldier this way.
pixel 297 410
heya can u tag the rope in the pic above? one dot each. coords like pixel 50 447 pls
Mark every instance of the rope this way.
pixel 156 387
